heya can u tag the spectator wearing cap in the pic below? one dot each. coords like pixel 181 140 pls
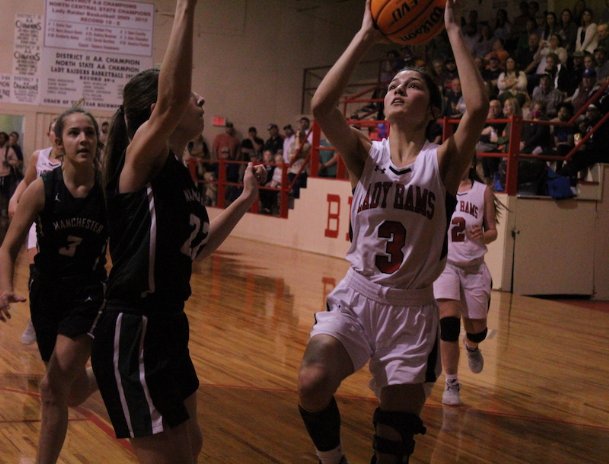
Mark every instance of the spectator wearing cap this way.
pixel 275 142
pixel 586 89
pixel 602 65
pixel 586 39
pixel 595 149
pixel 288 140
pixel 251 146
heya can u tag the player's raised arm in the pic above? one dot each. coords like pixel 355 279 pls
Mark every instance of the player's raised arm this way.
pixel 352 144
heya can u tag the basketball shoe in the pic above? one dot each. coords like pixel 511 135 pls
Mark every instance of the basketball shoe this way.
pixel 474 359
pixel 451 395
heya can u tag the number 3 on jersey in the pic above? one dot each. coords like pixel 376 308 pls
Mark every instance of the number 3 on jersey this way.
pixel 395 233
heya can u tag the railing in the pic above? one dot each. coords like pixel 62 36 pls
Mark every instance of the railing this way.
pixel 312 163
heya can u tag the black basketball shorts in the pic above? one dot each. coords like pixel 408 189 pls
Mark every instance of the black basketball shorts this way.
pixel 143 370
pixel 62 306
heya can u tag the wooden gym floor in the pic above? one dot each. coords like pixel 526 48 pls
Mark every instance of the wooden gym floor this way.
pixel 543 396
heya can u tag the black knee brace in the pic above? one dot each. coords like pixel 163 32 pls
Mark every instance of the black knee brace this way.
pixel 477 337
pixel 450 328
pixel 406 424
pixel 323 426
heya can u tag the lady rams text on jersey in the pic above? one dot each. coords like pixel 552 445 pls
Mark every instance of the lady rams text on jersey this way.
pixel 410 198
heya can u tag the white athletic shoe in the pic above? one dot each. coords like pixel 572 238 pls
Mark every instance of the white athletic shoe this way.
pixel 29 334
pixel 474 359
pixel 451 395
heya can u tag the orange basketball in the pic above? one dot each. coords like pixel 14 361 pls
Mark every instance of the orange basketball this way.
pixel 408 22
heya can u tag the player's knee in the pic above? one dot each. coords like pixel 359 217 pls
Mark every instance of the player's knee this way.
pixel 405 424
pixel 314 386
pixel 51 392
pixel 450 328
pixel 477 337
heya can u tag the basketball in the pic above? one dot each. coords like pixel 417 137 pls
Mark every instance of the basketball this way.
pixel 408 22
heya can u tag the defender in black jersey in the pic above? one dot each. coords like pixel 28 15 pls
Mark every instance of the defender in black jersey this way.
pixel 67 281
pixel 158 225
pixel 383 312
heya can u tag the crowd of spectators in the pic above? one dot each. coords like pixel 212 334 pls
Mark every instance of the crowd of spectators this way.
pixel 533 65
pixel 285 155
pixel 539 65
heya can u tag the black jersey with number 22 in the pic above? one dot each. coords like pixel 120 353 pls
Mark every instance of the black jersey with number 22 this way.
pixel 155 233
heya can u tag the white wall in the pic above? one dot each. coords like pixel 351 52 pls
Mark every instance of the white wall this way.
pixel 249 56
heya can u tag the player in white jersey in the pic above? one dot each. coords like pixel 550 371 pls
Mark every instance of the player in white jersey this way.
pixel 384 311
pixel 42 160
pixel 464 288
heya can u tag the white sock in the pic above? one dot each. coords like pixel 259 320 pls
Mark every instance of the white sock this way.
pixel 452 378
pixel 330 457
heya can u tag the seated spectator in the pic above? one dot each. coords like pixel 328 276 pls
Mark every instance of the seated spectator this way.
pixel 602 64
pixel 558 72
pixel 450 73
pixel 575 70
pixel 602 30
pixel 488 140
pixel 562 135
pixel 438 73
pixel 512 81
pixel 268 198
pixel 503 26
pixel 595 148
pixel 551 46
pixel 297 171
pixel 549 26
pixel 567 29
pixel 548 95
pixel 491 73
pixel 586 39
pixel 511 108
pixel 484 44
pixel 498 50
pixel 527 61
pixel 535 138
pixel 586 89
pixel 454 104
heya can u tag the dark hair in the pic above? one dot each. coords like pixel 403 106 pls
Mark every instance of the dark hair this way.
pixel 435 96
pixel 60 125
pixel 139 94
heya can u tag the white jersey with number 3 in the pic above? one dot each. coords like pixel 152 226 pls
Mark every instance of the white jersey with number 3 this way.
pixel 469 212
pixel 399 219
